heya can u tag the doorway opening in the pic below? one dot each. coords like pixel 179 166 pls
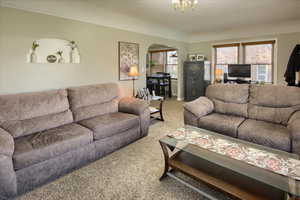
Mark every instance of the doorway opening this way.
pixel 162 70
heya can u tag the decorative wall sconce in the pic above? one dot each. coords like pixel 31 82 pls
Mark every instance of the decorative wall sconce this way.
pixel 53 51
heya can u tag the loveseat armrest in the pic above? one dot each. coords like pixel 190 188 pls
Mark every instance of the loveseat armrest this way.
pixel 196 109
pixel 138 107
pixel 8 180
pixel 200 107
pixel 294 128
pixel 133 105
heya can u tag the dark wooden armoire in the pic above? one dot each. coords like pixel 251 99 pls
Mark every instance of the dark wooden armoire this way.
pixel 194 82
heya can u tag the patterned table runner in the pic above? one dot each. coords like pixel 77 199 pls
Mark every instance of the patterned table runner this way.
pixel 273 162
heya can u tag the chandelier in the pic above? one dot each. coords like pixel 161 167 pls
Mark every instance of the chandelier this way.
pixel 184 4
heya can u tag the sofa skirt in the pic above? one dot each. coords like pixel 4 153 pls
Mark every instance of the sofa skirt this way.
pixel 113 143
pixel 49 170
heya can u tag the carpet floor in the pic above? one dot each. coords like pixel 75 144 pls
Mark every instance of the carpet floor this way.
pixel 131 173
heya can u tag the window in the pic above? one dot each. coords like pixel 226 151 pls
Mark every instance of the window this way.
pixel 172 63
pixel 260 56
pixel 158 62
pixel 224 55
pixel 165 61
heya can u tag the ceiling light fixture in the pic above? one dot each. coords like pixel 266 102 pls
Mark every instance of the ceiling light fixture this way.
pixel 184 4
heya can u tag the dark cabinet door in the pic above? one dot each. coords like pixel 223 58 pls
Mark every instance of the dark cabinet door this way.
pixel 194 80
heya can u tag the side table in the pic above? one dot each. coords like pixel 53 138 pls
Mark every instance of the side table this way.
pixel 154 110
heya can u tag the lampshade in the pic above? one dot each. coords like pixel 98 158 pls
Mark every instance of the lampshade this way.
pixel 219 72
pixel 133 71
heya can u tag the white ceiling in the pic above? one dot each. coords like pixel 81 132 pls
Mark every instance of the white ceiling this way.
pixel 156 17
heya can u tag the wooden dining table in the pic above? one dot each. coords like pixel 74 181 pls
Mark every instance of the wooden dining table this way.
pixel 161 80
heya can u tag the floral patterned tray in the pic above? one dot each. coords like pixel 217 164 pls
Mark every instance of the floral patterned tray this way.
pixel 283 165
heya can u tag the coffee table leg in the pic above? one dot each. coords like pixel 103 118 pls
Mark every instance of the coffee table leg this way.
pixel 160 110
pixel 166 157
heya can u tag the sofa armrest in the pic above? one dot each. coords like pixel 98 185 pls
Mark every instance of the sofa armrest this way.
pixel 199 107
pixel 8 180
pixel 7 144
pixel 145 122
pixel 137 107
pixel 133 105
pixel 294 128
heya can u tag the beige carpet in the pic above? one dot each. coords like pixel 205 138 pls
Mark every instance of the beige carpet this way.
pixel 130 173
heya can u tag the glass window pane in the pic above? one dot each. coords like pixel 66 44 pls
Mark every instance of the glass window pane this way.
pixel 261 73
pixel 227 55
pixel 158 62
pixel 259 54
pixel 172 58
pixel 172 69
pixel 158 58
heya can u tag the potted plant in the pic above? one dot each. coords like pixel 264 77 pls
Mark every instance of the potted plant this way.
pixel 61 59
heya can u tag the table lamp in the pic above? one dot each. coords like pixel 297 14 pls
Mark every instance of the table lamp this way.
pixel 133 72
pixel 219 73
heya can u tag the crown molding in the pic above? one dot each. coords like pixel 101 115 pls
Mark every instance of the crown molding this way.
pixel 292 26
pixel 107 19
pixel 122 22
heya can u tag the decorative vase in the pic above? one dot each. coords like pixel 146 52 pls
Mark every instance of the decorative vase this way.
pixel 33 57
pixel 71 56
pixel 61 60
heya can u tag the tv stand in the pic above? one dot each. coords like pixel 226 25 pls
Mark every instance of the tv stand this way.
pixel 239 81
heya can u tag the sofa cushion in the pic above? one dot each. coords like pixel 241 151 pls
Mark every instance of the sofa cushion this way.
pixel 273 103
pixel 233 93
pixel 231 108
pixel 93 100
pixel 23 114
pixel 34 125
pixel 229 99
pixel 224 124
pixel 88 112
pixel 266 134
pixel 110 124
pixel 45 145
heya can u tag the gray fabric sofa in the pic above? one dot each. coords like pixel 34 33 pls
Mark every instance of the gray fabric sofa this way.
pixel 46 134
pixel 267 115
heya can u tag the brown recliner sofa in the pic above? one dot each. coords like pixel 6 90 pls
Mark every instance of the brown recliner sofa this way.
pixel 46 134
pixel 268 115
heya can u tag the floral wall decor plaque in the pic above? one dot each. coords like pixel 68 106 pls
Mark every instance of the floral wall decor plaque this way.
pixel 128 55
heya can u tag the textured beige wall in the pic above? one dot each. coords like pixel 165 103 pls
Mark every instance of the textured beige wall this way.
pixel 98 46
pixel 285 45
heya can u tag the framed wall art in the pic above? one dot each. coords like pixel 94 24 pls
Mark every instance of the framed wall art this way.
pixel 128 56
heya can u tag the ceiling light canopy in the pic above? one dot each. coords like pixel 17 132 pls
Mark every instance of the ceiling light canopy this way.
pixel 184 4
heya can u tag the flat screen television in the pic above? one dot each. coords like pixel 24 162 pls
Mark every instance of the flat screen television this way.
pixel 239 70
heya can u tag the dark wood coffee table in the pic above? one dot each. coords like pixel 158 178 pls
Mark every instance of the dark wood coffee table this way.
pixel 233 176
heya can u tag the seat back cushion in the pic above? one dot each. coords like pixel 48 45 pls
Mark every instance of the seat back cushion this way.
pixel 93 100
pixel 24 114
pixel 273 103
pixel 229 99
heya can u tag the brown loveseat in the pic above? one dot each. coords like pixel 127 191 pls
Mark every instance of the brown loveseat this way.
pixel 46 134
pixel 267 115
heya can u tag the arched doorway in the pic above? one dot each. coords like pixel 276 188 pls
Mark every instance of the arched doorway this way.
pixel 162 60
